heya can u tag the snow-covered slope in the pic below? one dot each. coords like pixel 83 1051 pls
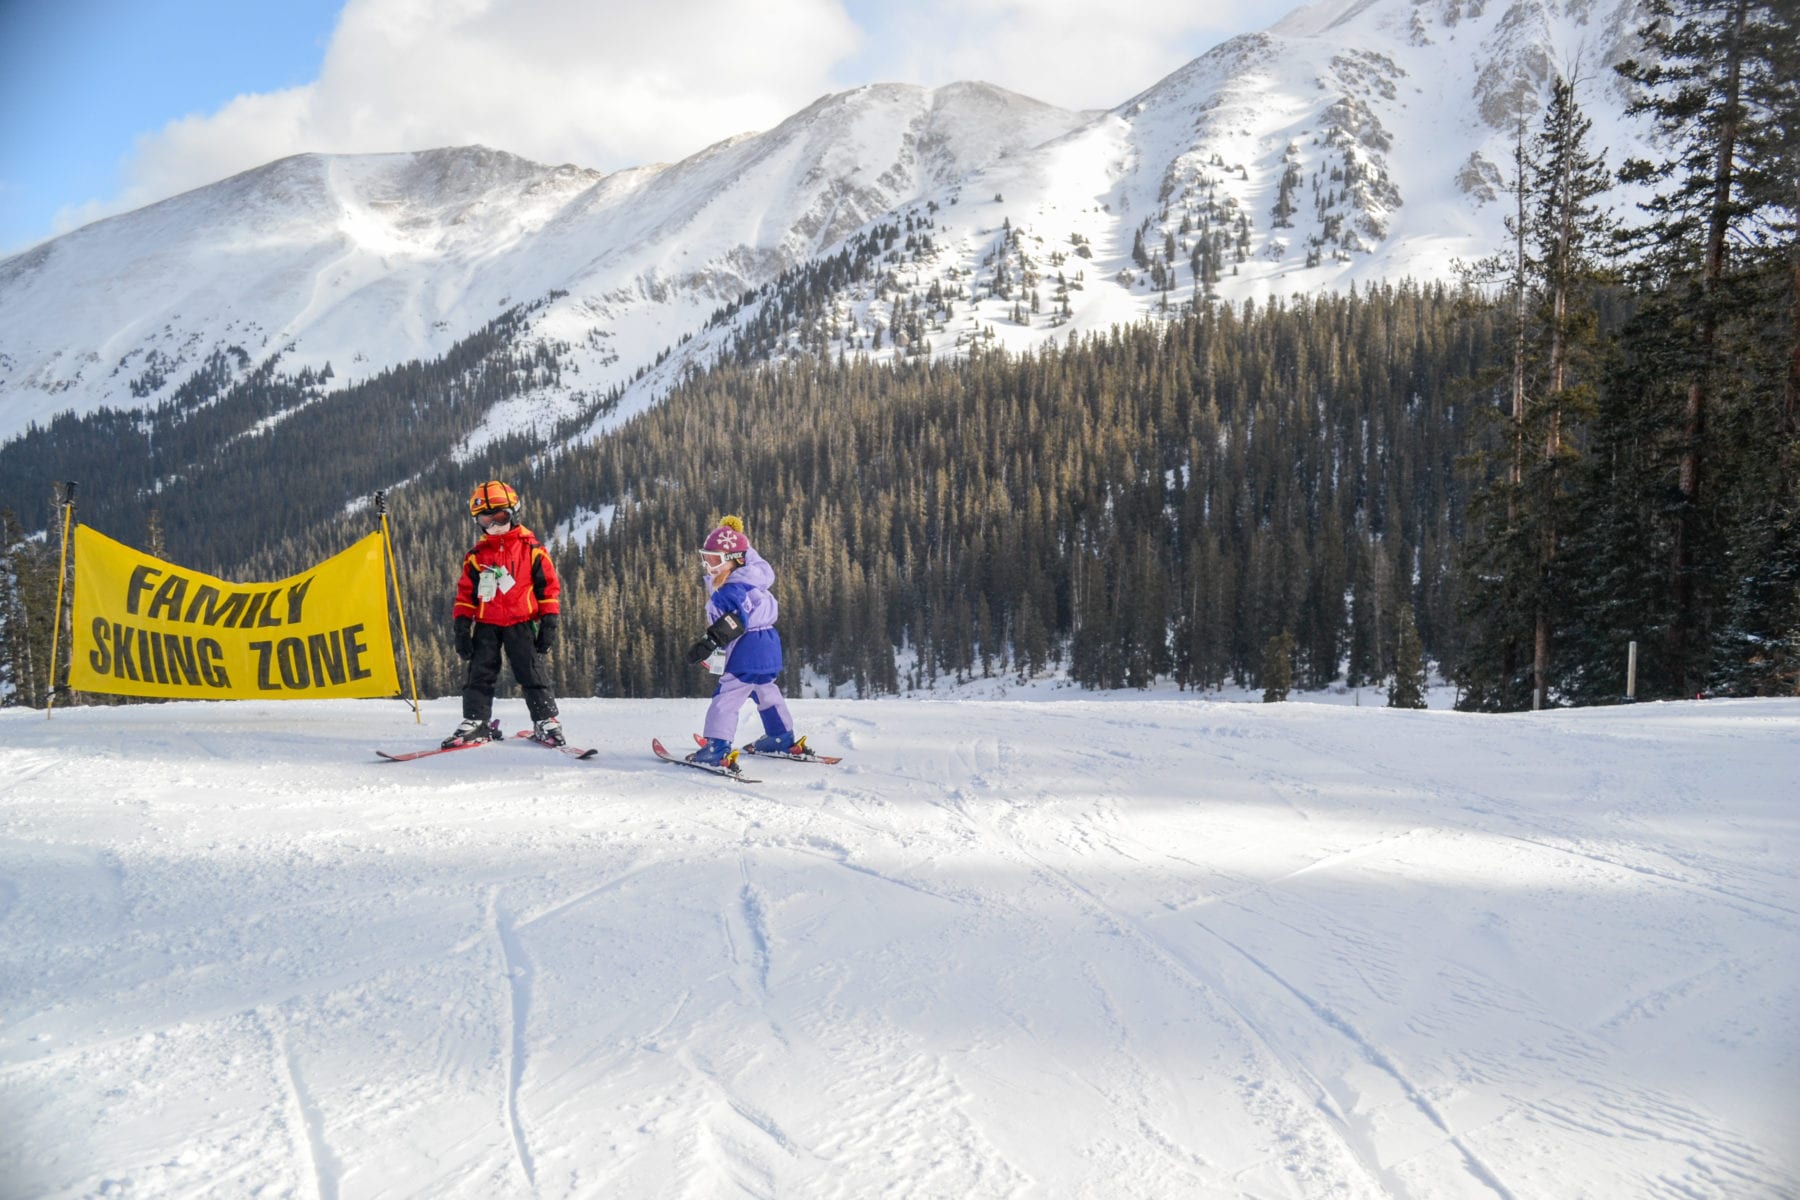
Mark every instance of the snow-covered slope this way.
pixel 1108 948
pixel 1352 142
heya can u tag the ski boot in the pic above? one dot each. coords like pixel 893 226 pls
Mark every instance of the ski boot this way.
pixel 713 754
pixel 549 731
pixel 777 743
pixel 471 730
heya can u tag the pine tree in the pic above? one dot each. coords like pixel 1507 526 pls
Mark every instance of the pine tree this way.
pixel 1757 650
pixel 1278 668
pixel 27 612
pixel 1569 231
pixel 1714 70
pixel 1409 683
pixel 17 678
pixel 1515 593
pixel 155 545
pixel 1497 560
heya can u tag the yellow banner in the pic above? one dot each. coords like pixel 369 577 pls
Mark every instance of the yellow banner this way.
pixel 144 627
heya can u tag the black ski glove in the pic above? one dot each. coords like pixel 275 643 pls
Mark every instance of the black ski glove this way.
pixel 465 638
pixel 724 631
pixel 546 633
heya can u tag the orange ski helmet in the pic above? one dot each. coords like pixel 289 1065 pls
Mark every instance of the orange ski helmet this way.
pixel 493 496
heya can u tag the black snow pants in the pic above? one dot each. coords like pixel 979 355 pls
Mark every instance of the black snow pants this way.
pixel 530 668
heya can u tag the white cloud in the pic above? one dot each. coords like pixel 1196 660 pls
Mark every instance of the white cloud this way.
pixel 602 83
pixel 616 83
pixel 247 132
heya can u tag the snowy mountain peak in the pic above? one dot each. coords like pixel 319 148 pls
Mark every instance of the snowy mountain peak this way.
pixel 890 143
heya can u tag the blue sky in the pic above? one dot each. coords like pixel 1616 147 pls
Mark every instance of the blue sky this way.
pixel 106 105
pixel 80 80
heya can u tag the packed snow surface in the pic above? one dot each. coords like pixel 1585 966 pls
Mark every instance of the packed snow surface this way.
pixel 1092 947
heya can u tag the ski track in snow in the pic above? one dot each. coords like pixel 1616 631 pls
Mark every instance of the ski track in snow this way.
pixel 1100 947
pixel 310 1147
pixel 1314 1095
pixel 518 983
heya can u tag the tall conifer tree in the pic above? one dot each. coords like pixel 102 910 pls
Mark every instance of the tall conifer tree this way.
pixel 1713 69
pixel 1570 229
pixel 1560 231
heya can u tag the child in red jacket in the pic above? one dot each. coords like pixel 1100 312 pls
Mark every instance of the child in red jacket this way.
pixel 506 602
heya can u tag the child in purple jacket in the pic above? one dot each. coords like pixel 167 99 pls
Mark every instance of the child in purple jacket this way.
pixel 740 614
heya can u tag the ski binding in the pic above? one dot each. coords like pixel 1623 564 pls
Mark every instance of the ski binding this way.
pixel 729 769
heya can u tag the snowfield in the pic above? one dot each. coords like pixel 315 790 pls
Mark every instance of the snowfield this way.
pixel 1100 947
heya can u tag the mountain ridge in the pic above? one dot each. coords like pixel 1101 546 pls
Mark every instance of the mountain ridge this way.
pixel 1307 156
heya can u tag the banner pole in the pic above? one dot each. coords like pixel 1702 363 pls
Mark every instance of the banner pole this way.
pixel 399 604
pixel 62 571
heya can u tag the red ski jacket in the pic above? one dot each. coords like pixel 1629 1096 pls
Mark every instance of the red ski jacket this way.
pixel 507 579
